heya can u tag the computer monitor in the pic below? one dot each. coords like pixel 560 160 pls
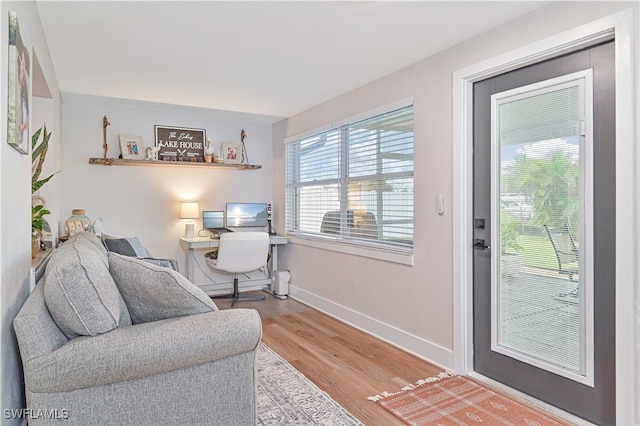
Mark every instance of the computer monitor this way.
pixel 212 220
pixel 247 214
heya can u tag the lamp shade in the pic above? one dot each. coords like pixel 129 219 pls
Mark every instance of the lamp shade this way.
pixel 189 211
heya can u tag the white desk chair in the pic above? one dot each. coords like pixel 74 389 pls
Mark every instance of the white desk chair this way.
pixel 240 252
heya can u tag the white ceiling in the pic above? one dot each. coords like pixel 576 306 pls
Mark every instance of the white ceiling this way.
pixel 265 57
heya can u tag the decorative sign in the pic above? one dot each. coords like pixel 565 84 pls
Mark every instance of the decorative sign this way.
pixel 180 144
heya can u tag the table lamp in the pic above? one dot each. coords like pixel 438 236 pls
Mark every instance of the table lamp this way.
pixel 189 211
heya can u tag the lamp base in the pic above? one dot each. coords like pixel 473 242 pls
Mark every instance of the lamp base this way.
pixel 189 231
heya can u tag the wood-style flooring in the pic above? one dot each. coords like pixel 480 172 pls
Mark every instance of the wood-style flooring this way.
pixel 347 363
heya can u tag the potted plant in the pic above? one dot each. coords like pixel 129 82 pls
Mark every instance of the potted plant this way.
pixel 38 210
pixel 511 258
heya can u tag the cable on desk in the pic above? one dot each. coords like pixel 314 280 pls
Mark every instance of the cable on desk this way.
pixel 205 229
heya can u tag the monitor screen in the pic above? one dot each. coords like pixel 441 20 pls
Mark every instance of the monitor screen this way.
pixel 247 214
pixel 212 219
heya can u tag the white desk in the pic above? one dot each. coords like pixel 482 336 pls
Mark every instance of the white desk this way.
pixel 205 242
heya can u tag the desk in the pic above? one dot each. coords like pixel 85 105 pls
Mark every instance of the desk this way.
pixel 205 242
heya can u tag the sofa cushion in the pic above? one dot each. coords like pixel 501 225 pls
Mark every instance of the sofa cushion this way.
pixel 127 246
pixel 91 238
pixel 79 292
pixel 154 293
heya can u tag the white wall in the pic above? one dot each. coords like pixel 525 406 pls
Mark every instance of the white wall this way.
pixel 15 205
pixel 411 306
pixel 145 201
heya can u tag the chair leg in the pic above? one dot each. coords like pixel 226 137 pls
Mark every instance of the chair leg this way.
pixel 236 295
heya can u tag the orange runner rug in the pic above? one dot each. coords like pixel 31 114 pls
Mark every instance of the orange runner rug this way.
pixel 458 401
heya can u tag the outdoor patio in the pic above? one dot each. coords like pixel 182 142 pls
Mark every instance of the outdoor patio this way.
pixel 540 316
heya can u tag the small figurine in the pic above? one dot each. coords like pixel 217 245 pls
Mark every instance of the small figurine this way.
pixel 152 153
pixel 208 151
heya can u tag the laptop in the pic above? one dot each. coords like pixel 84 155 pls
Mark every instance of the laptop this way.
pixel 214 222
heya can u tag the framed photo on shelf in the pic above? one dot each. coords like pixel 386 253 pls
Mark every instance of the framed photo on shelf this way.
pixel 231 153
pixel 131 147
pixel 74 226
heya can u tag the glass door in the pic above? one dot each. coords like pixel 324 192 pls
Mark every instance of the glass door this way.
pixel 542 288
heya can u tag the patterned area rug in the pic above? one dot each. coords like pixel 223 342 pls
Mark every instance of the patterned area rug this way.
pixel 287 397
pixel 457 400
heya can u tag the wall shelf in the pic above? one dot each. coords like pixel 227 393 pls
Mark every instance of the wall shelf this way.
pixel 121 162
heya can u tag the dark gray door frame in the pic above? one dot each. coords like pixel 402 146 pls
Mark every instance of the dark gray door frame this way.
pixel 596 404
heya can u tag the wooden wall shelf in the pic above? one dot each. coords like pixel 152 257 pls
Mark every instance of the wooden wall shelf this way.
pixel 121 162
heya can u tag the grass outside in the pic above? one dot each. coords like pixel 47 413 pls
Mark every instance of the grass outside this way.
pixel 538 252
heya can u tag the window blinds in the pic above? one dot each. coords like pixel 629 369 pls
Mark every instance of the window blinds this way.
pixel 354 183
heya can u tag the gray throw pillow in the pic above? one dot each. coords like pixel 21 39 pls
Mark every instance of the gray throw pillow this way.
pixel 126 246
pixel 154 293
pixel 80 294
pixel 167 263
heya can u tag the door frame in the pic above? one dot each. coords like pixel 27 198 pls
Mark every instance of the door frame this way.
pixel 622 26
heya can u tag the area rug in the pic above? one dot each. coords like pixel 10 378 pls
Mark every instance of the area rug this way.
pixel 287 397
pixel 457 400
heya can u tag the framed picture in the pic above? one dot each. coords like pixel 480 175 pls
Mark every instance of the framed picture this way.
pixel 231 153
pixel 74 226
pixel 180 144
pixel 18 89
pixel 131 147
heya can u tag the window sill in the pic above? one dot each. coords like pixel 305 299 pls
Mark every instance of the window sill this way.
pixel 404 258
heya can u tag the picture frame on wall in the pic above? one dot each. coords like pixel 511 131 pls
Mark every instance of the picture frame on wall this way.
pixel 231 153
pixel 131 147
pixel 18 89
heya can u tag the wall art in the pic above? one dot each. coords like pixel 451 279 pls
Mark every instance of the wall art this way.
pixel 180 144
pixel 18 89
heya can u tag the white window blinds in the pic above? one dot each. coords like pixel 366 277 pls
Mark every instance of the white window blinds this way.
pixel 354 183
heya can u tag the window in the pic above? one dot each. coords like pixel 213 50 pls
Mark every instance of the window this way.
pixel 353 183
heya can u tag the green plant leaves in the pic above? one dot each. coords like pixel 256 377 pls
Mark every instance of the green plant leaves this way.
pixel 38 155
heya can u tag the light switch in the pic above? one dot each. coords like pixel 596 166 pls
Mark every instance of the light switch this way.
pixel 440 204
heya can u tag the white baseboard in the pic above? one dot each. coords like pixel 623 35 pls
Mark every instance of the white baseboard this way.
pixel 414 345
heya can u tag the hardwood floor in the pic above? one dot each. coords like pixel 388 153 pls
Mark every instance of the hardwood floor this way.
pixel 347 363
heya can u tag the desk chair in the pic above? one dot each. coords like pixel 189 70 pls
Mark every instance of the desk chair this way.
pixel 240 252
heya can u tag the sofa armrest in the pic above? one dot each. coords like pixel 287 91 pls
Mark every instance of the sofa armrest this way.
pixel 142 350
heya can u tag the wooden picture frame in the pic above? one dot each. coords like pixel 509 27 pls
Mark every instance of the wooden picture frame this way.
pixel 180 144
pixel 131 147
pixel 231 153
pixel 74 226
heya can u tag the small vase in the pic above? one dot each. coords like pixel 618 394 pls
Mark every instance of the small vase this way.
pixel 35 243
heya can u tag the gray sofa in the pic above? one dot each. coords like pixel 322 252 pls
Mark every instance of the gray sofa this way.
pixel 107 339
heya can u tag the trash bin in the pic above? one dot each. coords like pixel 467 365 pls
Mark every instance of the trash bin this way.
pixel 281 284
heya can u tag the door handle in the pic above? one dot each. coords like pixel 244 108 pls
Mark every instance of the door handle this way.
pixel 479 244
